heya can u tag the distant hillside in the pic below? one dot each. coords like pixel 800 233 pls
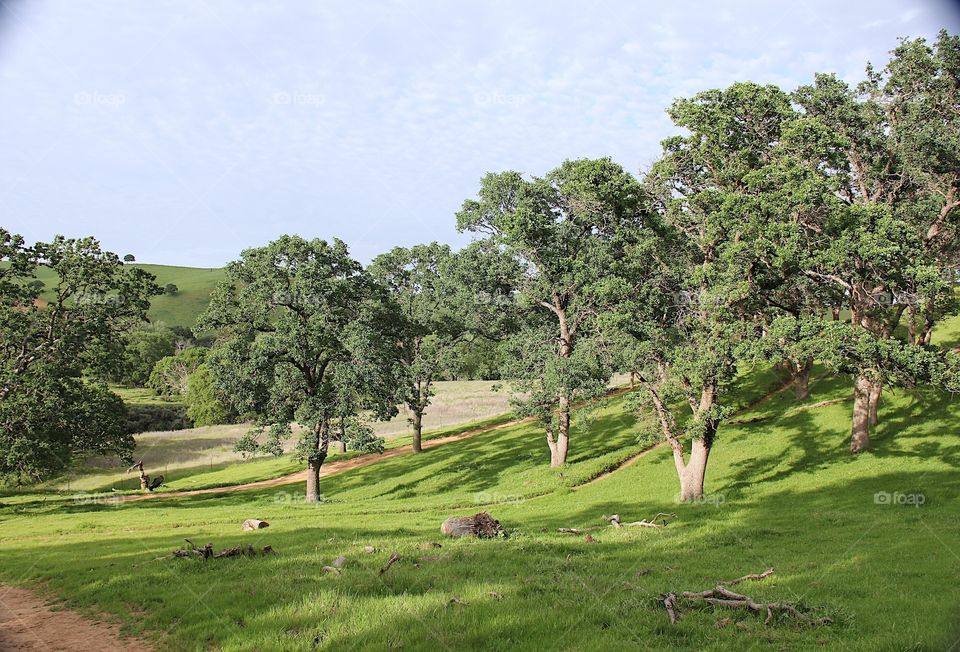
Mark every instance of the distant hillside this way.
pixel 183 308
pixel 195 285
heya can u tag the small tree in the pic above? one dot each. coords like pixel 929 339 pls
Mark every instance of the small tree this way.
pixel 170 289
pixel 292 315
pixel 566 230
pixel 145 346
pixel 170 375
pixel 422 282
pixel 204 407
pixel 129 258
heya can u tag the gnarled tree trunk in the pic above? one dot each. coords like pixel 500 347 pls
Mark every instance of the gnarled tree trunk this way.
pixel 695 471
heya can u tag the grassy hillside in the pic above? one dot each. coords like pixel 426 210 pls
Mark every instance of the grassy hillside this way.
pixel 195 285
pixel 181 309
pixel 200 457
pixel 783 493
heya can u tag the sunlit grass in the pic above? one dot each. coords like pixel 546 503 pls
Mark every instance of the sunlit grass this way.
pixel 782 492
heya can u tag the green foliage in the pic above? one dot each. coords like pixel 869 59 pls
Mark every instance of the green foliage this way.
pixel 439 314
pixel 561 236
pixel 170 289
pixel 58 352
pixel 204 408
pixel 305 336
pixel 170 375
pixel 145 347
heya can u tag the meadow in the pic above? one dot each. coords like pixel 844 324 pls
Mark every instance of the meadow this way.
pixel 783 492
pixel 195 458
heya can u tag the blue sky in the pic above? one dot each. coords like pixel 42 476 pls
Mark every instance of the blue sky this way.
pixel 184 132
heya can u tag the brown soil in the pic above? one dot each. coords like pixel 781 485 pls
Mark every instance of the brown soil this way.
pixel 29 624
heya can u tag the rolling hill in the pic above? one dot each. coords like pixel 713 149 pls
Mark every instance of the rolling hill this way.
pixel 181 309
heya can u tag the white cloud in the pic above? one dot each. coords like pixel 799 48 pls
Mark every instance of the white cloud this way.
pixel 394 111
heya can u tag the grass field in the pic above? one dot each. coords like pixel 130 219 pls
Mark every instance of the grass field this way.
pixel 203 457
pixel 783 493
pixel 180 309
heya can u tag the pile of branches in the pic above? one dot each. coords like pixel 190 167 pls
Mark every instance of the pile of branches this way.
pixel 721 596
pixel 207 551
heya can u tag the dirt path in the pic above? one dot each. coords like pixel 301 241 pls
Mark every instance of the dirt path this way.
pixel 28 624
pixel 335 467
pixel 327 470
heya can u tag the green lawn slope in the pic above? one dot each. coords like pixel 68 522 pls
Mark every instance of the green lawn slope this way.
pixel 843 533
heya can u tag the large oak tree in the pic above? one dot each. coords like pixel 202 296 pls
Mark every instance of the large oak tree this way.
pixel 566 230
pixel 305 333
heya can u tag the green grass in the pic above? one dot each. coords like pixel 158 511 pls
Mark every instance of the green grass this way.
pixel 783 492
pixel 143 396
pixel 181 309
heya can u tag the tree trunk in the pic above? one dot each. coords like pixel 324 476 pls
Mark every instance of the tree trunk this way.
pixel 339 446
pixel 315 461
pixel 557 445
pixel 860 434
pixel 875 390
pixel 558 452
pixel 417 431
pixel 313 480
pixel 695 471
pixel 801 378
pixel 479 525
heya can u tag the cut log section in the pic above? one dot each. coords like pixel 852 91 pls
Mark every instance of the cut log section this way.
pixel 480 525
pixel 253 524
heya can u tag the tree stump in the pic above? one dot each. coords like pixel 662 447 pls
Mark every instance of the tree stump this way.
pixel 253 524
pixel 480 525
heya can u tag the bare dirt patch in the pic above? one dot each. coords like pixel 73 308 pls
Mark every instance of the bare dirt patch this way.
pixel 29 624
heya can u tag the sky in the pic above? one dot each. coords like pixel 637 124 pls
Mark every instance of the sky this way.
pixel 186 131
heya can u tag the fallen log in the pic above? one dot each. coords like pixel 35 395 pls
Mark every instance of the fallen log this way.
pixel 253 524
pixel 480 525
